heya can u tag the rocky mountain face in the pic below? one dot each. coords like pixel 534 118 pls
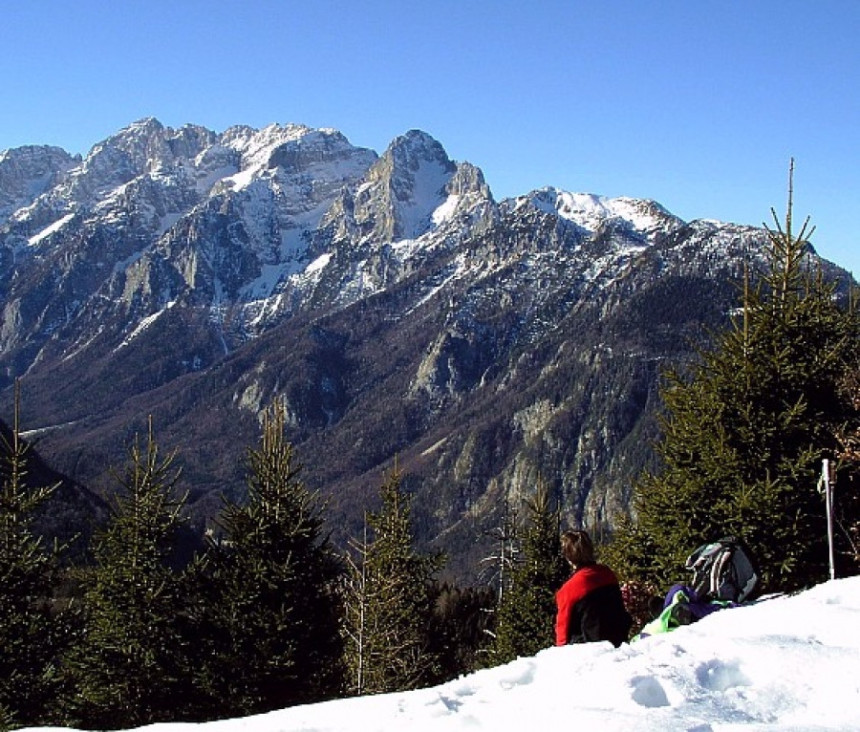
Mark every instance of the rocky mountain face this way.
pixel 397 308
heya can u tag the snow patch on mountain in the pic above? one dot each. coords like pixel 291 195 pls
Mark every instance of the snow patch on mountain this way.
pixel 446 210
pixel 454 272
pixel 48 230
pixel 590 212
pixel 144 324
pixel 318 264
pixel 426 200
pixel 167 222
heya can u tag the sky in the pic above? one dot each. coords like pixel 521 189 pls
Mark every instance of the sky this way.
pixel 697 105
pixel 783 663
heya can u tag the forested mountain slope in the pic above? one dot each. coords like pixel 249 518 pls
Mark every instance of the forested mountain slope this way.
pixel 399 310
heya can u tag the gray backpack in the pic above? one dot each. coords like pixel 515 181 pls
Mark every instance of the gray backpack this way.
pixel 722 570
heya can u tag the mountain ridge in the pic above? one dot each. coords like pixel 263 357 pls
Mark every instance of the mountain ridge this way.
pixel 396 307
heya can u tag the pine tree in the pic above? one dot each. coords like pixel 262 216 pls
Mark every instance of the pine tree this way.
pixel 129 668
pixel 30 635
pixel 459 633
pixel 388 601
pixel 745 431
pixel 847 503
pixel 526 614
pixel 273 617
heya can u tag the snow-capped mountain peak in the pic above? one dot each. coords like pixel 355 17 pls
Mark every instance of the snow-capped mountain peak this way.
pixel 27 172
pixel 590 212
pixel 405 186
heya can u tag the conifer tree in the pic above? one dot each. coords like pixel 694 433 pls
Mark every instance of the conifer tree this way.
pixel 388 601
pixel 30 636
pixel 273 617
pixel 526 614
pixel 847 502
pixel 129 666
pixel 459 632
pixel 745 430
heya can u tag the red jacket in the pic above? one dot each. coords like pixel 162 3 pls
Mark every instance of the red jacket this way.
pixel 590 608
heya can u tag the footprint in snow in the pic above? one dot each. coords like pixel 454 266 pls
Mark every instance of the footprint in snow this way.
pixel 721 676
pixel 648 692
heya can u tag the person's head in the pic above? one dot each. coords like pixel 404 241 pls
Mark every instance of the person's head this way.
pixel 576 548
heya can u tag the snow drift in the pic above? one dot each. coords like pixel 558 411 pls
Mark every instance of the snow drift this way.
pixel 786 663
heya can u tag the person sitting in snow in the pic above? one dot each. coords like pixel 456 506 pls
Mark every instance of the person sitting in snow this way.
pixel 590 606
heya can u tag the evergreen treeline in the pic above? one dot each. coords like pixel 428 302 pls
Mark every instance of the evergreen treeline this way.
pixel 269 613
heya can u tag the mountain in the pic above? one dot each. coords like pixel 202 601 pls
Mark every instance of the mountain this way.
pixel 398 309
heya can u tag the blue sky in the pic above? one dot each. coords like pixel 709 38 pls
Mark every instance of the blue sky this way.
pixel 698 105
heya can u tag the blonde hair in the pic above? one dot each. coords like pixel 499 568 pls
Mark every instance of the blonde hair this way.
pixel 576 548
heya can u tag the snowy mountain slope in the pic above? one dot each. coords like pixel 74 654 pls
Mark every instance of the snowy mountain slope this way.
pixel 390 300
pixel 789 663
pixel 27 172
pixel 152 214
pixel 251 222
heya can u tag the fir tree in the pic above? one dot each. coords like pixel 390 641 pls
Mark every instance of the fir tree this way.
pixel 388 601
pixel 129 667
pixel 847 492
pixel 745 431
pixel 30 635
pixel 273 617
pixel 459 633
pixel 526 614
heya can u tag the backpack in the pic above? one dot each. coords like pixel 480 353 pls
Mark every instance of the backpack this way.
pixel 722 570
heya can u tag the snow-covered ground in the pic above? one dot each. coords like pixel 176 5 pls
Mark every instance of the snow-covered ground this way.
pixel 786 663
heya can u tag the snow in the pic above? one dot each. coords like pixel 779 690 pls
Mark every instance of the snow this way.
pixel 264 285
pixel 242 179
pixel 446 211
pixel 318 264
pixel 584 209
pixel 590 211
pixel 337 160
pixel 457 269
pixel 645 216
pixel 207 179
pixel 428 194
pixel 784 663
pixel 47 231
pixel 144 324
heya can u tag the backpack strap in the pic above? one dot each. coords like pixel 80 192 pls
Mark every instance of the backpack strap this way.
pixel 717 579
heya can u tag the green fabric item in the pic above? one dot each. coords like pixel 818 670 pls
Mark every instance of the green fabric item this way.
pixel 673 616
pixel 676 614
